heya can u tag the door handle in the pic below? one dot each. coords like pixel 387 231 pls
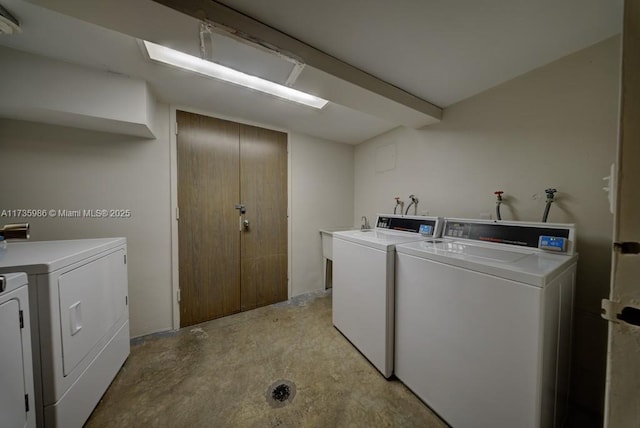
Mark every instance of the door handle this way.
pixel 246 224
pixel 75 317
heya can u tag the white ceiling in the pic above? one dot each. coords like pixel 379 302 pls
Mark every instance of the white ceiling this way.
pixel 441 51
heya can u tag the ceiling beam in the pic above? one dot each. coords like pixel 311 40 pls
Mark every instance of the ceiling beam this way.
pixel 176 24
pixel 247 27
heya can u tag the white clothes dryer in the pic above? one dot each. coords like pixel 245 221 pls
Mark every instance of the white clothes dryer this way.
pixel 363 283
pixel 78 300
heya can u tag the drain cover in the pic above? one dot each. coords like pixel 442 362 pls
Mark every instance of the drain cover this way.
pixel 280 393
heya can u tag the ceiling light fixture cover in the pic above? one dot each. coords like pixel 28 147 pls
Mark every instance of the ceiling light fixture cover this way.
pixel 185 61
pixel 8 23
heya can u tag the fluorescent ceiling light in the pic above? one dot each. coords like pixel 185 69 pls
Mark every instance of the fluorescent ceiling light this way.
pixel 211 69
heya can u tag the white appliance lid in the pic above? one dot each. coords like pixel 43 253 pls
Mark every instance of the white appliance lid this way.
pixel 518 264
pixel 376 238
pixel 36 257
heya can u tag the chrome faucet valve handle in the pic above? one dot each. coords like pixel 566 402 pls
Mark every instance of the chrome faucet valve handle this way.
pixel 398 202
pixel 550 193
pixel 414 202
pixel 15 231
pixel 498 194
pixel 549 201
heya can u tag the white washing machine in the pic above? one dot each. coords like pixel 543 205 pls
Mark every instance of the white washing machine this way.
pixel 78 300
pixel 483 322
pixel 16 373
pixel 363 283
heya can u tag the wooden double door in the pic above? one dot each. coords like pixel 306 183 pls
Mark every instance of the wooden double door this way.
pixel 232 225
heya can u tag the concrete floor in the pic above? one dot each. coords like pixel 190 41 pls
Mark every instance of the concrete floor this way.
pixel 221 374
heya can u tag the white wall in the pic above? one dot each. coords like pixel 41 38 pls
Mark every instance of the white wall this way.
pixel 321 191
pixel 54 167
pixel 50 91
pixel 62 167
pixel 553 127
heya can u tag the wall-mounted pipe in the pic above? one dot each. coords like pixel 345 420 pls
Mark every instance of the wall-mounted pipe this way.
pixel 14 231
pixel 498 194
pixel 414 202
pixel 398 202
pixel 549 193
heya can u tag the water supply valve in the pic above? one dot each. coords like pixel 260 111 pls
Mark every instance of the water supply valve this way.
pixel 14 231
pixel 498 194
pixel 398 202
pixel 550 193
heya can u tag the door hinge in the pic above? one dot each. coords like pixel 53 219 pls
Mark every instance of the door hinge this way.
pixel 177 213
pixel 26 402
pixel 125 259
pixel 176 128
pixel 178 295
pixel 126 300
pixel 21 316
pixel 620 313
pixel 627 247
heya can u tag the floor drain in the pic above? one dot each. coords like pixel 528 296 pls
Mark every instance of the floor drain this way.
pixel 280 393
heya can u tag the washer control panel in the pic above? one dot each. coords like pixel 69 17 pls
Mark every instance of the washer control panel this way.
pixel 426 226
pixel 549 238
pixel 552 243
pixel 426 229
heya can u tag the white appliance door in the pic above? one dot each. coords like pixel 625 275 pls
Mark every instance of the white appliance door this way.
pixel 12 374
pixel 90 305
pixel 622 399
pixel 467 343
pixel 363 300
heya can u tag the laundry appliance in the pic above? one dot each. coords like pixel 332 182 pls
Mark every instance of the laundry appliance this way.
pixel 16 373
pixel 483 322
pixel 78 301
pixel 363 282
